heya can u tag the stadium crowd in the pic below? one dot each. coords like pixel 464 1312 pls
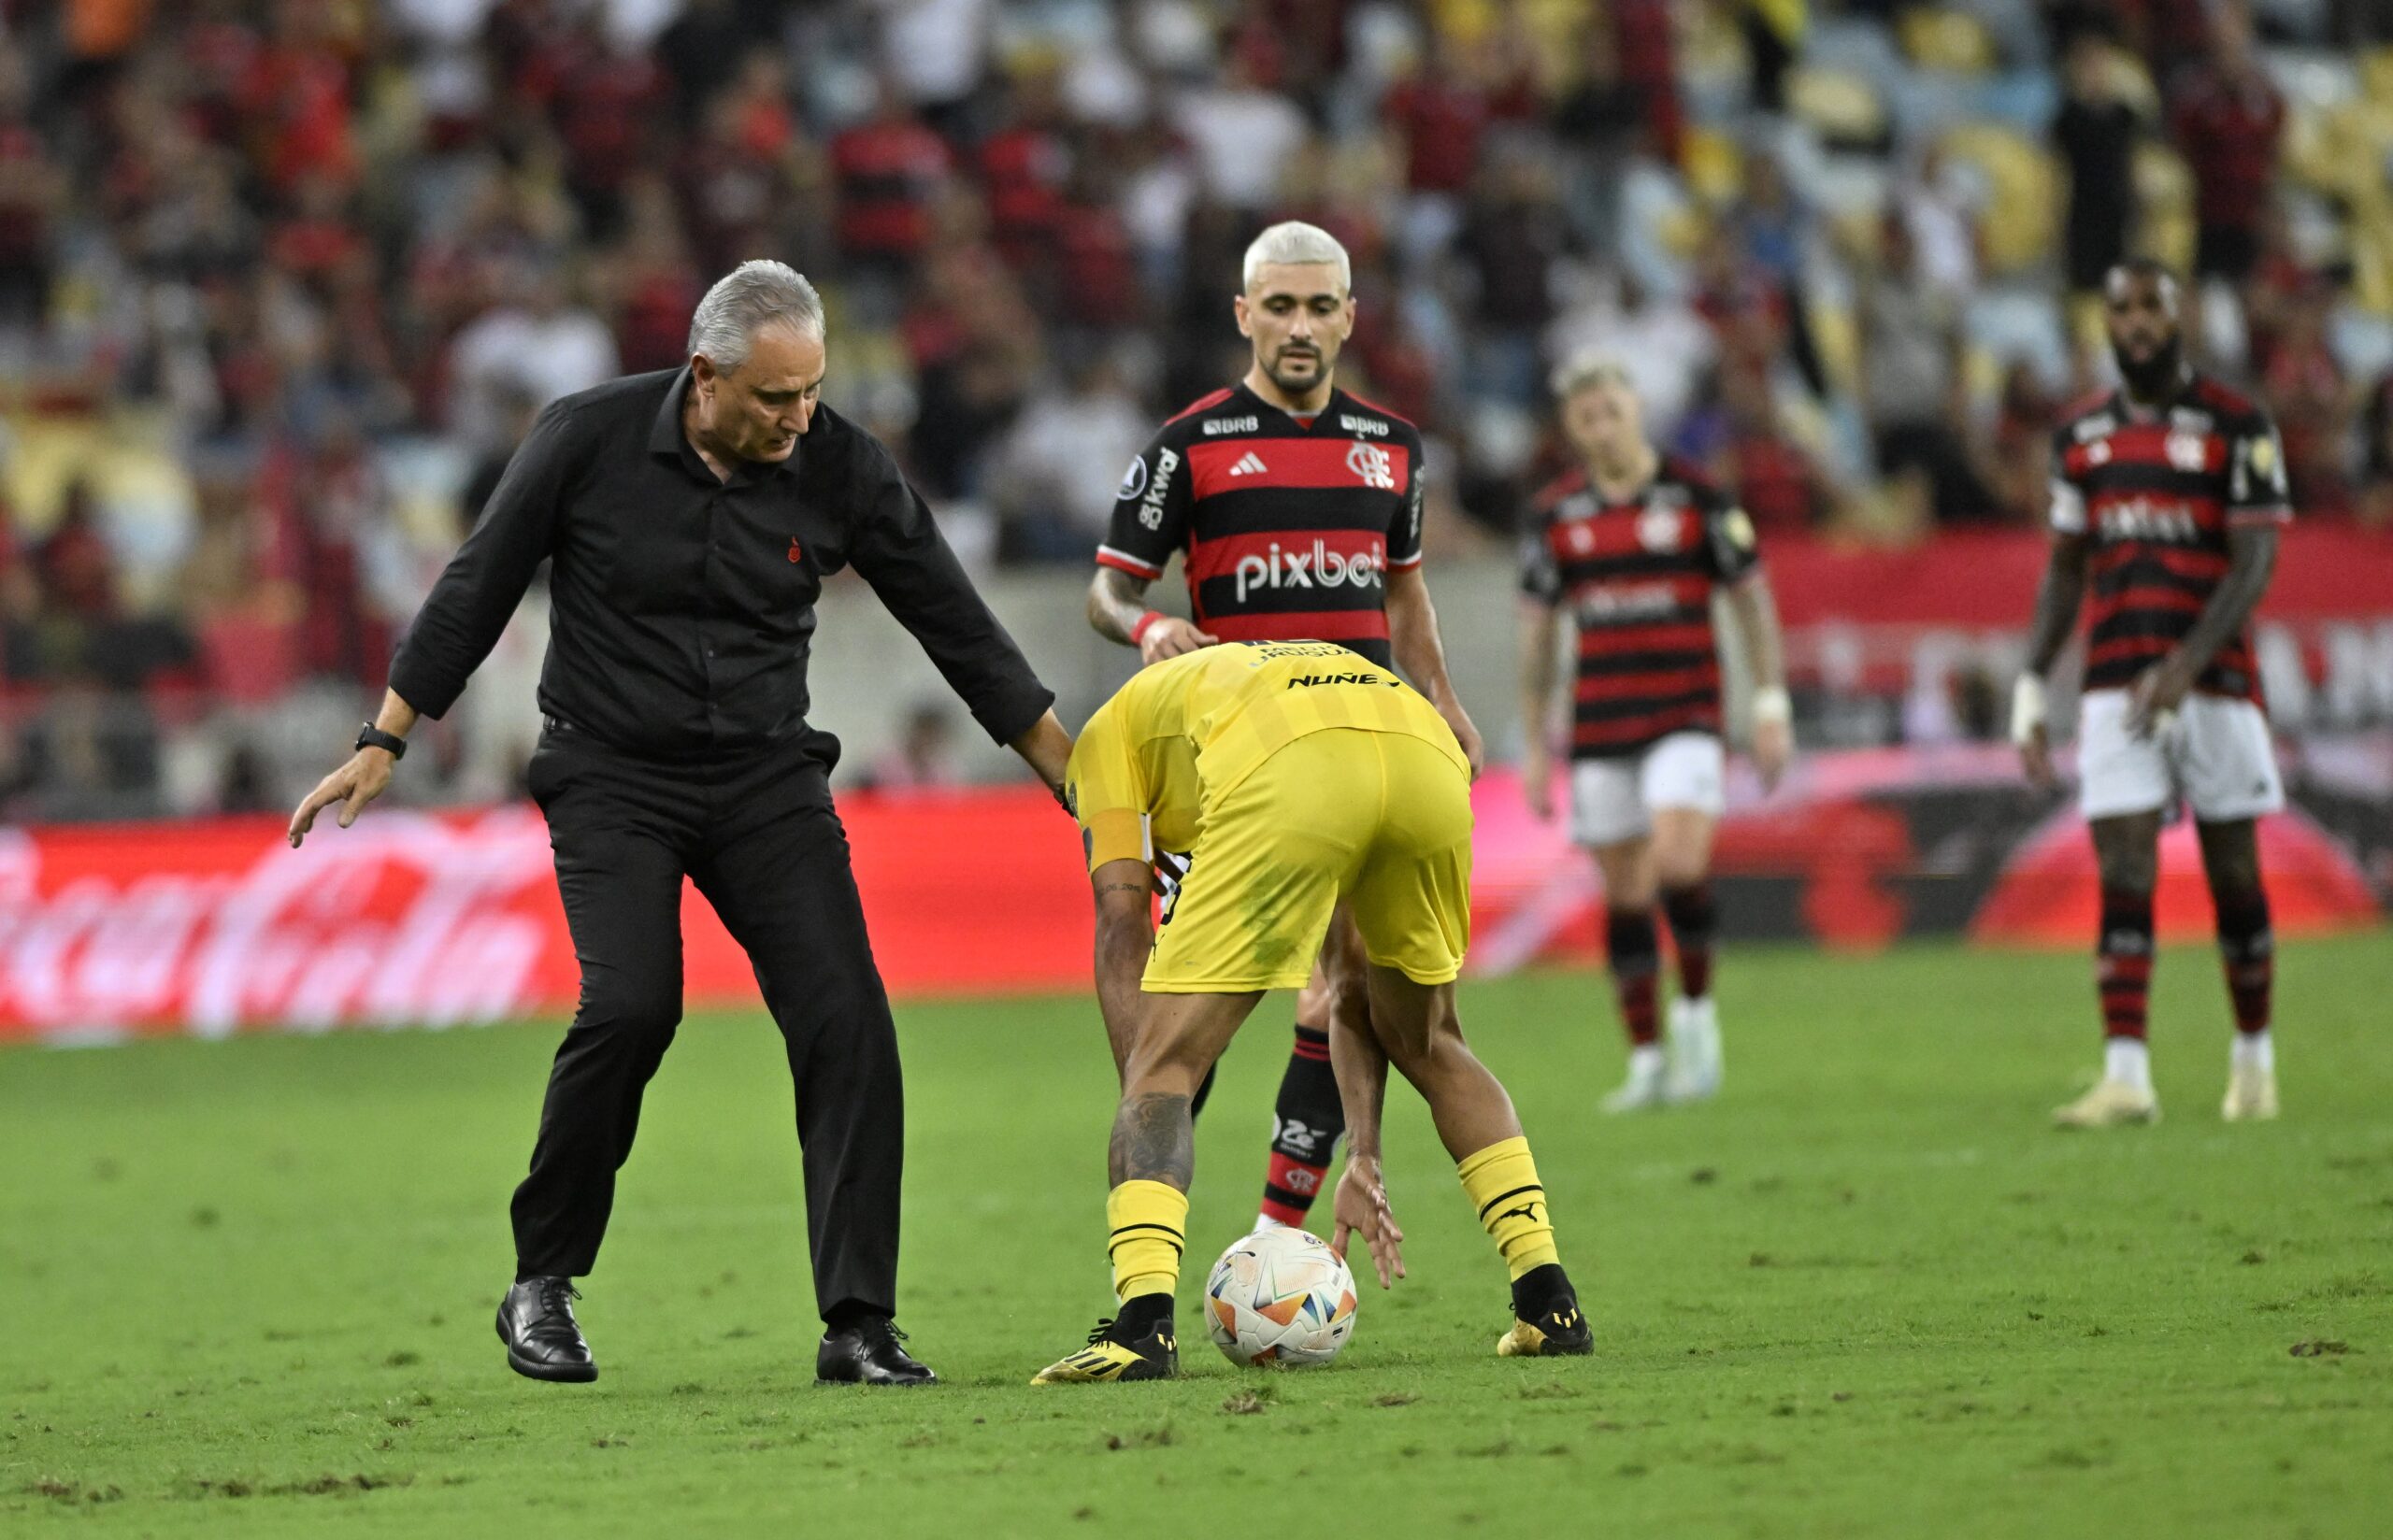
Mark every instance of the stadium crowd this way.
pixel 282 282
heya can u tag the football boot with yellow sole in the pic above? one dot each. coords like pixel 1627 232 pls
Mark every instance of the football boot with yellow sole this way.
pixel 1113 1355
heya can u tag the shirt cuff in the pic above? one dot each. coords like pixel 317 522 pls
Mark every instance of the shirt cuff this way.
pixel 1013 709
pixel 1106 556
pixel 415 683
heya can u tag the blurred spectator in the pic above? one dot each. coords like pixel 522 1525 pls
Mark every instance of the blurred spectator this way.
pixel 922 759
pixel 2226 118
pixel 537 341
pixel 2012 462
pixel 1243 137
pixel 1938 205
pixel 2303 386
pixel 976 350
pixel 652 283
pixel 1025 166
pixel 889 167
pixel 1599 122
pixel 2376 454
pixel 936 51
pixel 31 191
pixel 1057 470
pixel 1913 366
pixel 1511 238
pixel 2095 135
pixel 1779 484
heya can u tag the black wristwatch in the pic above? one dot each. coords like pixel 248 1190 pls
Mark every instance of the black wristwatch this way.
pixel 371 736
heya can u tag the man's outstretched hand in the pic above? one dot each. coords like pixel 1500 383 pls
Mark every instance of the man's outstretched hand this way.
pixel 1361 1207
pixel 353 785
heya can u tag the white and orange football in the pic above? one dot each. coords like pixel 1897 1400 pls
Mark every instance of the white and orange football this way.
pixel 1280 1296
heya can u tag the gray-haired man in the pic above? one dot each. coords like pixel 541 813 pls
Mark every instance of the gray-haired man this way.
pixel 691 516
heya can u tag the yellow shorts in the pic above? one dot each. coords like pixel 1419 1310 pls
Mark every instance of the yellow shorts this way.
pixel 1380 820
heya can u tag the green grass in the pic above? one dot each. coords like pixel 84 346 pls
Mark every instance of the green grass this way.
pixel 246 1288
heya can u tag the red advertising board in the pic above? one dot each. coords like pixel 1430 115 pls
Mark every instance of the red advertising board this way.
pixel 411 918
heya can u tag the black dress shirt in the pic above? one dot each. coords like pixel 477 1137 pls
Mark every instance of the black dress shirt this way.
pixel 684 606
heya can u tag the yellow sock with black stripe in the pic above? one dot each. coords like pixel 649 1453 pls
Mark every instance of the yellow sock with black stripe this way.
pixel 1148 1226
pixel 1502 1185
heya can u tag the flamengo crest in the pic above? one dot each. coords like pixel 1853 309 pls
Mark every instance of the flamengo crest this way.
pixel 1373 465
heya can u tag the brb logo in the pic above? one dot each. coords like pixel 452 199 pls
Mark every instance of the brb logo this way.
pixel 1320 567
pixel 1372 466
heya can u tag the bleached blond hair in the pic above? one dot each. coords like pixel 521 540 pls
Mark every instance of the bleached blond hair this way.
pixel 1588 370
pixel 1292 243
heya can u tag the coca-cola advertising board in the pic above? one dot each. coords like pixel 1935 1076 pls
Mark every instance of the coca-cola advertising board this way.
pixel 435 920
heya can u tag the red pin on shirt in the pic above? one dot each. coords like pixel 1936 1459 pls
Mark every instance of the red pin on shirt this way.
pixel 794 554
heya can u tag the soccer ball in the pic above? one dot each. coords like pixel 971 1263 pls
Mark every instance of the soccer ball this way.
pixel 1280 1296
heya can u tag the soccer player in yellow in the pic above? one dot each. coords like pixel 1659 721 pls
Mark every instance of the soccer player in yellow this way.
pixel 1296 775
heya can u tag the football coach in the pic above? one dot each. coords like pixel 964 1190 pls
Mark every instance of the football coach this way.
pixel 691 516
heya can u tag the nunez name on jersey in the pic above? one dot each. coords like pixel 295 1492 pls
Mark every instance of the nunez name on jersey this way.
pixel 2154 492
pixel 1636 578
pixel 1290 529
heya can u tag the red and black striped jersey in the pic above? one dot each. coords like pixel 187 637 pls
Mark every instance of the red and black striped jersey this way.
pixel 2155 492
pixel 1637 577
pixel 1290 527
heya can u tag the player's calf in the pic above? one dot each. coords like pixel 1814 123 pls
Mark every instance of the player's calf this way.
pixel 1307 1121
pixel 2247 950
pixel 1502 1184
pixel 1633 949
pixel 2122 978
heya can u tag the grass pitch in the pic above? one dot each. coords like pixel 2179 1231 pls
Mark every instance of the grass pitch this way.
pixel 246 1288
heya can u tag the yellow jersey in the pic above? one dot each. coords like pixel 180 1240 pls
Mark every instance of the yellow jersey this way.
pixel 1184 732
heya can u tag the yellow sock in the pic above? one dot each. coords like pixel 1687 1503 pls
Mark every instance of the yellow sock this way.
pixel 1501 1183
pixel 1148 1223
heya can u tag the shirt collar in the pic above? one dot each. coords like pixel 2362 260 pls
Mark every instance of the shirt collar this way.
pixel 666 438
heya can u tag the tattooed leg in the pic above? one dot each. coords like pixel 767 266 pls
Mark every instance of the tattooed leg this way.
pixel 1155 1140
pixel 1178 1037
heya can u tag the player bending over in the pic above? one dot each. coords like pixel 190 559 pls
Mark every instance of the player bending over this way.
pixel 1307 776
pixel 2167 494
pixel 1632 545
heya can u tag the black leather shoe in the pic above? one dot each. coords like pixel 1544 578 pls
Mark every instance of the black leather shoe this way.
pixel 536 1322
pixel 868 1353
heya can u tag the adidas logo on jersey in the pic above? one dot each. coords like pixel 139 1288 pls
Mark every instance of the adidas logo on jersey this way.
pixel 1249 463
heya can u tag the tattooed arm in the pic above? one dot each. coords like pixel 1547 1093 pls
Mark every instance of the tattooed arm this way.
pixel 1126 934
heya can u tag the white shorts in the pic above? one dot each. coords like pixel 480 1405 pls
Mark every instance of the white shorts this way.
pixel 2218 756
pixel 1613 799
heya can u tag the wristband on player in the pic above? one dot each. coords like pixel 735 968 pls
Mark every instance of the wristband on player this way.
pixel 1772 707
pixel 1144 624
pixel 2027 710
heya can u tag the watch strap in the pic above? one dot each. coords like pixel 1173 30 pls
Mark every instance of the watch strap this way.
pixel 371 736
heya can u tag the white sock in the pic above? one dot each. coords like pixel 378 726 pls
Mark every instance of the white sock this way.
pixel 2127 1060
pixel 2255 1050
pixel 1645 1060
pixel 1265 1222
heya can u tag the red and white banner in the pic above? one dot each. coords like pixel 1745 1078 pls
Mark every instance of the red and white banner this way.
pixel 412 918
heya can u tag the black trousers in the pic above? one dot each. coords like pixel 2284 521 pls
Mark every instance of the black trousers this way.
pixel 758 836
